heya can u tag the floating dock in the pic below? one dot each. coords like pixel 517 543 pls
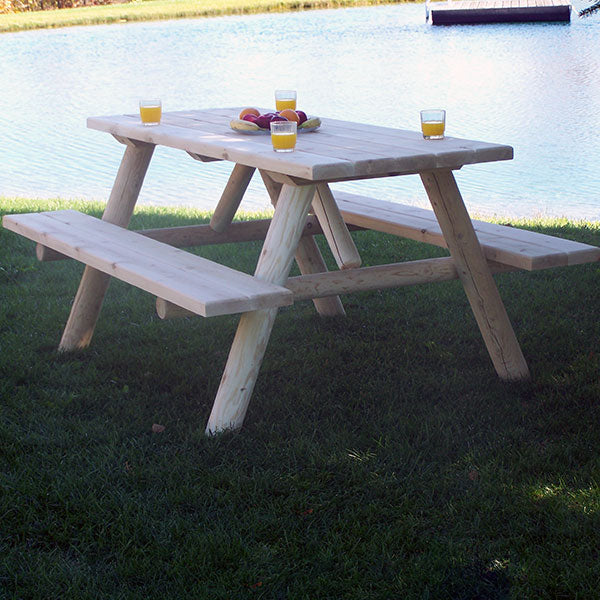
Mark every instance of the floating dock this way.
pixel 457 12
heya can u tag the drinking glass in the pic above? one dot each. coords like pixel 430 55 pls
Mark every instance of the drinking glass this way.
pixel 283 135
pixel 150 112
pixel 285 99
pixel 433 123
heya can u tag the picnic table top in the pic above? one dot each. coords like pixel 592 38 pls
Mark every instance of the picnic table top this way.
pixel 338 150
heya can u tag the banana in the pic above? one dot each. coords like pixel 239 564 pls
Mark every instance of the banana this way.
pixel 312 122
pixel 241 125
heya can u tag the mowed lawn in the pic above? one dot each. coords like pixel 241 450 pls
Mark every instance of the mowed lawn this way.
pixel 381 457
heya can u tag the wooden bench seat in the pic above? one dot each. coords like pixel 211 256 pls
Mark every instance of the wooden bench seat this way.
pixel 502 244
pixel 189 281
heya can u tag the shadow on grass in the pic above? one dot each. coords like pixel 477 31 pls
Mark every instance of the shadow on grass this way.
pixel 381 456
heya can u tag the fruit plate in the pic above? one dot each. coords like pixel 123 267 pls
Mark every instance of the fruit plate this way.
pixel 266 131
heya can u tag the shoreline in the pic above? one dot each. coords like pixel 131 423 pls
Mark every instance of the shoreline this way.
pixel 9 204
pixel 158 10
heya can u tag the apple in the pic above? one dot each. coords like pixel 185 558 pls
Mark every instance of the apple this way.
pixel 251 118
pixel 263 121
pixel 302 115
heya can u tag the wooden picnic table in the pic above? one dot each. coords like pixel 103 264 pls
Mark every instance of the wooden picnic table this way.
pixel 304 205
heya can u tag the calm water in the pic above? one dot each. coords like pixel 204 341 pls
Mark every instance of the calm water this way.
pixel 533 86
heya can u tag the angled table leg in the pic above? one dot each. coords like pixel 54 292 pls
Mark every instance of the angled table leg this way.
pixel 309 258
pixel 254 329
pixel 119 208
pixel 310 261
pixel 335 230
pixel 232 197
pixel 475 274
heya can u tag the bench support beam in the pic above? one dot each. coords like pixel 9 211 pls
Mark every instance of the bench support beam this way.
pixel 475 274
pixel 119 208
pixel 333 283
pixel 380 277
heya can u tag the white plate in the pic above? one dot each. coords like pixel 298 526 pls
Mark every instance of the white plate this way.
pixel 261 131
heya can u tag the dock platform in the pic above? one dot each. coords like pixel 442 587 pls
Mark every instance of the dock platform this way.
pixel 456 12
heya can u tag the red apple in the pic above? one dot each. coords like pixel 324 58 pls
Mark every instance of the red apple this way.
pixel 263 121
pixel 302 116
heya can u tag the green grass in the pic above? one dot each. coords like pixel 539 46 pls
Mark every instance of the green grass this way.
pixel 381 457
pixel 149 10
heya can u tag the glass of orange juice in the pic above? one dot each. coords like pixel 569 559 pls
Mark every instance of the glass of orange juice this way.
pixel 150 111
pixel 433 123
pixel 283 135
pixel 285 99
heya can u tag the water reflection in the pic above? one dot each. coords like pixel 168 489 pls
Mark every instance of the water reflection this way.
pixel 532 86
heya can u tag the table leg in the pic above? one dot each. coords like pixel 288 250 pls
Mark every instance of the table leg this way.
pixel 335 230
pixel 119 208
pixel 309 259
pixel 475 274
pixel 232 197
pixel 254 330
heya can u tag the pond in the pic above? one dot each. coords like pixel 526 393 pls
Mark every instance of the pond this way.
pixel 533 86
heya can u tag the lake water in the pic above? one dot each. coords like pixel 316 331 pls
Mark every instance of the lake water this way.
pixel 533 86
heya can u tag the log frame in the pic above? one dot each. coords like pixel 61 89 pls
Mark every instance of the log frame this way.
pixel 350 281
pixel 475 275
pixel 335 230
pixel 88 301
pixel 231 197
pixel 254 329
pixel 308 256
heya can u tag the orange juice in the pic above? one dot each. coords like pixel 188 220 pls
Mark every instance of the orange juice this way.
pixel 283 142
pixel 150 114
pixel 432 129
pixel 281 104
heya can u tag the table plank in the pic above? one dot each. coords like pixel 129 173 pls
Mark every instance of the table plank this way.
pixel 338 150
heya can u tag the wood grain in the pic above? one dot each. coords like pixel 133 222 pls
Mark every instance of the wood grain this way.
pixel 308 256
pixel 339 150
pixel 88 301
pixel 335 230
pixel 512 246
pixel 189 281
pixel 231 197
pixel 475 275
pixel 254 329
